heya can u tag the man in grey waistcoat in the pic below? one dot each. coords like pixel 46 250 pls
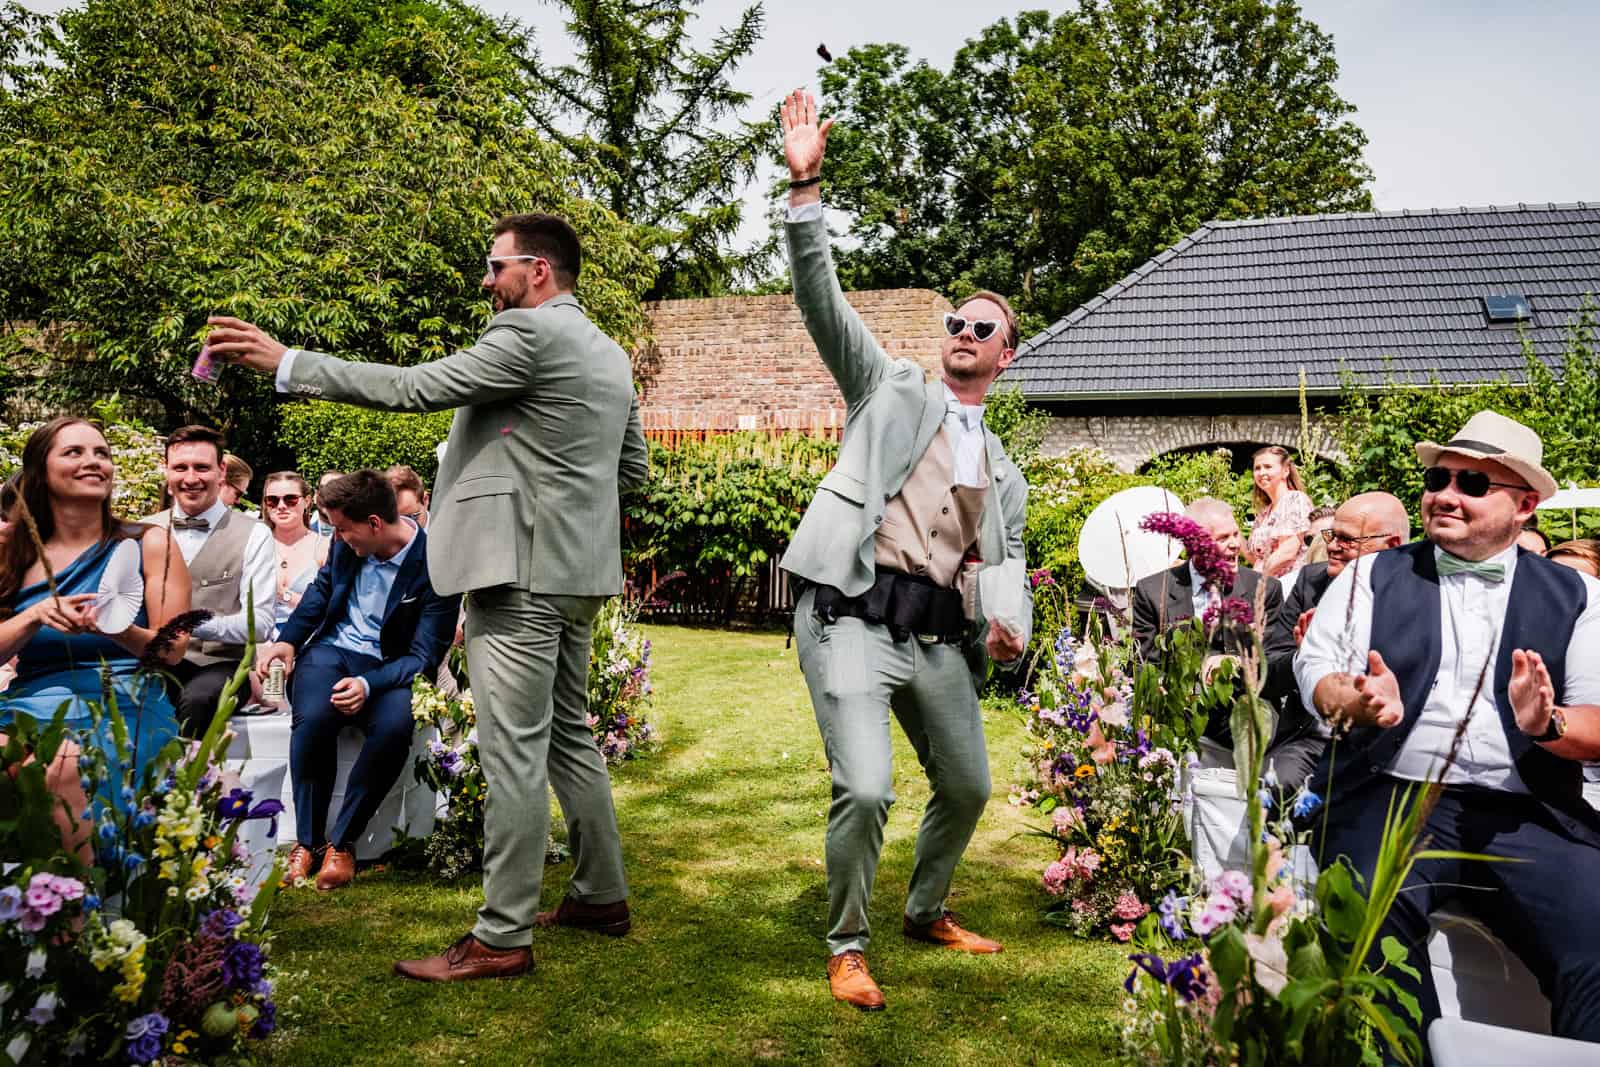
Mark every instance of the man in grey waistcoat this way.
pixel 231 563
pixel 527 523
pixel 888 554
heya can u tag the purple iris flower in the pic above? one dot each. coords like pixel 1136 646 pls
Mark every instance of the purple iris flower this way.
pixel 1185 975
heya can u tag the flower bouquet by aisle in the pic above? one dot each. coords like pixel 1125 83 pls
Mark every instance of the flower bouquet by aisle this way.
pixel 129 931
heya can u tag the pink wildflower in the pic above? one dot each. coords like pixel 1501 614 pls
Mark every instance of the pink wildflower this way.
pixel 1129 906
pixel 1066 818
pixel 1214 568
pixel 1122 931
pixel 1056 877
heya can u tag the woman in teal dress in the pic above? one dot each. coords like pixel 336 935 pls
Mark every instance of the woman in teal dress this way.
pixel 66 484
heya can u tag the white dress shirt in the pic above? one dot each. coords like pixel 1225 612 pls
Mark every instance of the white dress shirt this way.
pixel 963 424
pixel 1199 592
pixel 259 571
pixel 1472 616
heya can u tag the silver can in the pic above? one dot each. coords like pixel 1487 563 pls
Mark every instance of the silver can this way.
pixel 272 688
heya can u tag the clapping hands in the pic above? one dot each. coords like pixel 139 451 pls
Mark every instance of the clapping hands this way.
pixel 1533 694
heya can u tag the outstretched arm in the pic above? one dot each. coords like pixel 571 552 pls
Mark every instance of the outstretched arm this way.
pixel 847 348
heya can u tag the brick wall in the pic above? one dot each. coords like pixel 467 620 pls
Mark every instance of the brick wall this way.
pixel 1133 440
pixel 746 362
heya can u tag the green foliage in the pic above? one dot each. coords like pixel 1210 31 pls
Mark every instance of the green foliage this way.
pixel 1192 475
pixel 1378 430
pixel 1059 151
pixel 1062 491
pixel 652 123
pixel 721 508
pixel 137 457
pixel 325 436
pixel 162 160
pixel 1021 429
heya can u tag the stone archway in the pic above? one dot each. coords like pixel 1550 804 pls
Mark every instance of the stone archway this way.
pixel 1134 440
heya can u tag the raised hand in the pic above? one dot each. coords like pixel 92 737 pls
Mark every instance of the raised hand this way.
pixel 1533 694
pixel 1379 693
pixel 804 140
pixel 1302 624
pixel 236 341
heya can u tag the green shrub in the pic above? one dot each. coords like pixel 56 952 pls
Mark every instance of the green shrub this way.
pixel 326 436
pixel 137 455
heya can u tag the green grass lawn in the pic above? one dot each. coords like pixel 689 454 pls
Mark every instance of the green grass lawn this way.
pixel 723 833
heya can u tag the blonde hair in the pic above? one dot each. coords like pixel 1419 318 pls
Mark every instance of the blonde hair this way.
pixel 1291 477
pixel 236 472
pixel 1012 340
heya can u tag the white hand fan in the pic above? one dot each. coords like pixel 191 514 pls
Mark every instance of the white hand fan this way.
pixel 1114 552
pixel 121 592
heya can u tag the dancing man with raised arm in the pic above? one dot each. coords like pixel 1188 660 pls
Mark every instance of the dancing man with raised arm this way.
pixel 526 522
pixel 886 559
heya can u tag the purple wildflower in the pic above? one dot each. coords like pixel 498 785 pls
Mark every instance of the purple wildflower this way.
pixel 1171 910
pixel 266 1022
pixel 1214 568
pixel 220 923
pixel 1228 609
pixel 243 965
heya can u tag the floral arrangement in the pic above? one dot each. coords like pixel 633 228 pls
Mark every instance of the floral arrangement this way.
pixel 1111 794
pixel 132 933
pixel 451 767
pixel 619 681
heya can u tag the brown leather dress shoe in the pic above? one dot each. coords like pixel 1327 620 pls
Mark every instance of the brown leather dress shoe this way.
pixel 609 919
pixel 944 932
pixel 338 869
pixel 302 861
pixel 849 981
pixel 467 959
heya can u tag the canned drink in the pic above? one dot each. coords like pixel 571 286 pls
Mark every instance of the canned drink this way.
pixel 272 688
pixel 205 368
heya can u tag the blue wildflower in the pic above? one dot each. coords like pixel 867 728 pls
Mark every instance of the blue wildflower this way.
pixel 1306 804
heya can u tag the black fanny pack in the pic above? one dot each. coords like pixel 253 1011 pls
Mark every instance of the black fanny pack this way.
pixel 906 603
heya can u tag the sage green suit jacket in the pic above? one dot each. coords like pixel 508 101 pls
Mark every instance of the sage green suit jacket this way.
pixel 546 435
pixel 891 415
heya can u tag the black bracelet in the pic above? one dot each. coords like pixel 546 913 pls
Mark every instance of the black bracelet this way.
pixel 804 182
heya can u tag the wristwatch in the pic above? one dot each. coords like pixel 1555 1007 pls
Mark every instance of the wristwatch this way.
pixel 1557 728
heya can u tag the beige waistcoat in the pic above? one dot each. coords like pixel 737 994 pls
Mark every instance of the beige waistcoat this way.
pixel 929 526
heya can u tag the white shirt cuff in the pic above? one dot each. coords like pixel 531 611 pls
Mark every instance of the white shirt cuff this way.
pixel 285 369
pixel 366 689
pixel 805 212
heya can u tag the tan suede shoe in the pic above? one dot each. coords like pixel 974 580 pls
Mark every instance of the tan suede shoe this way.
pixel 338 869
pixel 849 981
pixel 301 863
pixel 944 932
pixel 466 960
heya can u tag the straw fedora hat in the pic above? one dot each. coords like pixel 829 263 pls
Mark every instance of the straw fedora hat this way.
pixel 1490 435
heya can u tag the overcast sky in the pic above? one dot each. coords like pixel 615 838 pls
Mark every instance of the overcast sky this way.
pixel 1464 102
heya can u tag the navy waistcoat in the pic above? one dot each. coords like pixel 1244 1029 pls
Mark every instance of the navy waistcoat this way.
pixel 1545 602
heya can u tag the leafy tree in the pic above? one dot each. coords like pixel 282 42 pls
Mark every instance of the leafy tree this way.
pixel 1058 152
pixel 167 159
pixel 654 124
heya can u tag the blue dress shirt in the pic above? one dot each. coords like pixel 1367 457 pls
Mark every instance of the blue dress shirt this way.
pixel 362 624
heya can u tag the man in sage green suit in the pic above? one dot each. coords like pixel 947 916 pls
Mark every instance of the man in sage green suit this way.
pixel 922 500
pixel 527 523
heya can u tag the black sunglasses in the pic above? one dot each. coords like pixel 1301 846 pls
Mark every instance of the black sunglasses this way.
pixel 288 500
pixel 982 329
pixel 1468 483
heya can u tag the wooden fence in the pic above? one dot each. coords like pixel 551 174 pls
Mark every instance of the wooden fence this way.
pixel 763 599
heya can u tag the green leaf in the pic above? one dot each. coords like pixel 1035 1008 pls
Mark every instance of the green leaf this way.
pixel 1343 908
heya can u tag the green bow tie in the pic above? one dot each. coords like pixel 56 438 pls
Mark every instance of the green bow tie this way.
pixel 1489 572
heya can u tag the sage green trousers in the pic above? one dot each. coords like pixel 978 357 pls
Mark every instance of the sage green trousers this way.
pixel 528 655
pixel 857 674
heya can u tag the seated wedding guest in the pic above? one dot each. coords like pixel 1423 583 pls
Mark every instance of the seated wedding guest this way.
pixel 1404 665
pixel 1174 596
pixel 1283 514
pixel 298 553
pixel 231 565
pixel 1532 538
pixel 1366 523
pixel 1320 519
pixel 368 625
pixel 236 475
pixel 319 518
pixel 411 496
pixel 62 656
pixel 1582 556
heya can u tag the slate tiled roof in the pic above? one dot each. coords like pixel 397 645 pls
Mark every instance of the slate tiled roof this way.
pixel 1237 308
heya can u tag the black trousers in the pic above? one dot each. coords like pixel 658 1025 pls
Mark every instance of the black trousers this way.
pixel 1539 904
pixel 196 694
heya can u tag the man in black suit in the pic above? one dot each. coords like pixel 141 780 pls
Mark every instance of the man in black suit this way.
pixel 369 624
pixel 1170 597
pixel 1366 523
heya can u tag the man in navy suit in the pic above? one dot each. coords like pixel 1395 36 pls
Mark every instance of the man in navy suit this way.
pixel 368 625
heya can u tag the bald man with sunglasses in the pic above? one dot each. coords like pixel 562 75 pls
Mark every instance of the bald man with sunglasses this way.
pixel 888 558
pixel 1465 645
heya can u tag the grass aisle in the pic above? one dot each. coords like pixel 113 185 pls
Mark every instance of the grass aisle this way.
pixel 723 835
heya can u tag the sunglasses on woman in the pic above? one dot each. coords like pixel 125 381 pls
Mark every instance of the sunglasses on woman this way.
pixel 288 500
pixel 982 329
pixel 1468 483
